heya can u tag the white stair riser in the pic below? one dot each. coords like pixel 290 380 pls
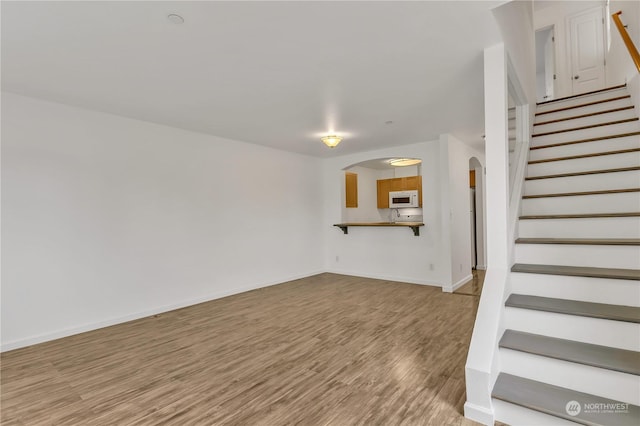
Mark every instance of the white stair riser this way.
pixel 612 144
pixel 517 415
pixel 620 103
pixel 585 121
pixel 600 203
pixel 593 132
pixel 595 182
pixel 625 257
pixel 583 100
pixel 612 161
pixel 617 334
pixel 582 378
pixel 585 289
pixel 605 227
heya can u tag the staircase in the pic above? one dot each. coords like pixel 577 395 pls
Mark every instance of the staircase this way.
pixel 571 349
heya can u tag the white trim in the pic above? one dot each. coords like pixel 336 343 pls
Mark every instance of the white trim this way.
pixel 408 280
pixel 481 267
pixel 478 414
pixel 454 287
pixel 45 337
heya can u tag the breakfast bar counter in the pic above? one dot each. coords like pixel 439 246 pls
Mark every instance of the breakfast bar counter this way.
pixel 415 226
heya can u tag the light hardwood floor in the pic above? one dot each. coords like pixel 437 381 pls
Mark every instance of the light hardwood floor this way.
pixel 325 350
pixel 474 286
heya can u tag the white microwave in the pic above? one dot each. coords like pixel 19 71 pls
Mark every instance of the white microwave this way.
pixel 402 199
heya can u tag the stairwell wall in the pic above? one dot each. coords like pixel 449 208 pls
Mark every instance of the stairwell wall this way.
pixel 556 15
pixel 515 20
pixel 620 67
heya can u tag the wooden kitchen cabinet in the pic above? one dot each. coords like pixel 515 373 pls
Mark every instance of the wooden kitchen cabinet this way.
pixel 384 186
pixel 351 189
pixel 398 184
pixel 412 182
pixel 408 183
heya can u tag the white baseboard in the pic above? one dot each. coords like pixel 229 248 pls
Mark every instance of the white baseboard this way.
pixel 45 337
pixel 481 267
pixel 455 286
pixel 58 334
pixel 394 278
pixel 478 414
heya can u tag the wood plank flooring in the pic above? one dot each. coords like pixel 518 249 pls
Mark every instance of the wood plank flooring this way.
pixel 324 350
pixel 474 286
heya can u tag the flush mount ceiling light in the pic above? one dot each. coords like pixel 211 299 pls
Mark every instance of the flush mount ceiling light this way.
pixel 331 141
pixel 400 162
pixel 176 19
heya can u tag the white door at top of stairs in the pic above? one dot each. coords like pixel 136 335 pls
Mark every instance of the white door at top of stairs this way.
pixel 586 50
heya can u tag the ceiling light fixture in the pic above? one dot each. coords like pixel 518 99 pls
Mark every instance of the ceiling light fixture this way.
pixel 176 19
pixel 401 162
pixel 331 141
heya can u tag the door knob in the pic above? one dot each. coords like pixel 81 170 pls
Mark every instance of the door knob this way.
pixel 575 77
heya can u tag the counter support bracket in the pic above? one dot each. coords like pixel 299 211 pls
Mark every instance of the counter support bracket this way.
pixel 415 226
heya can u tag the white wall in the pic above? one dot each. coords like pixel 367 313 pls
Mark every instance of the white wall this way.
pixel 107 219
pixel 367 210
pixel 406 171
pixel 620 66
pixel 395 253
pixel 459 155
pixel 387 253
pixel 556 15
pixel 516 22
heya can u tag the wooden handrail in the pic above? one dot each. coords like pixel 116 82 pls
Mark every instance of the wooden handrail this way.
pixel 635 56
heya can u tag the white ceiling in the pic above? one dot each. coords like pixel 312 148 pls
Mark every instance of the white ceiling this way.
pixel 280 74
pixel 378 164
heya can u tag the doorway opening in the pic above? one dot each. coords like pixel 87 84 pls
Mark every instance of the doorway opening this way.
pixel 476 214
pixel 545 64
